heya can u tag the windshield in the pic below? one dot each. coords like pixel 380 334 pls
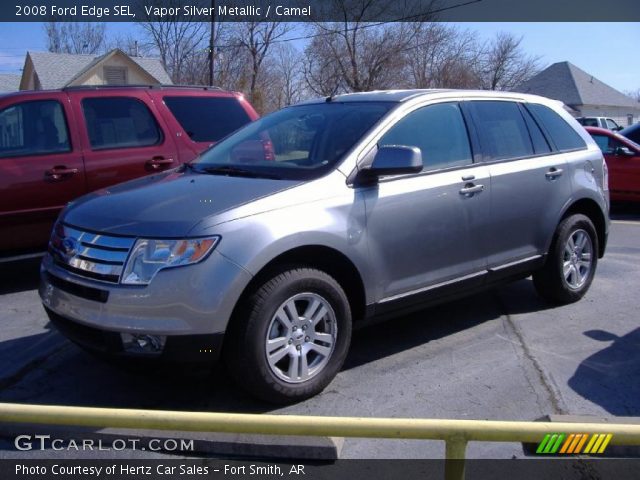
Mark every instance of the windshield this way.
pixel 300 142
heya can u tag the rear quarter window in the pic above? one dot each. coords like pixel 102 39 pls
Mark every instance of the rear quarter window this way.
pixel 563 136
pixel 207 119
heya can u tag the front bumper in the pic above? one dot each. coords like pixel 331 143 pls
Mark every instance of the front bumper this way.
pixel 178 348
pixel 189 305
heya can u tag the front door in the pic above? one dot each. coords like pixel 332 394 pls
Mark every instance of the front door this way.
pixel 424 230
pixel 41 169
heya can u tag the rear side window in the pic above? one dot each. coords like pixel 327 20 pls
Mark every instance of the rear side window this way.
pixel 502 129
pixel 33 128
pixel 561 133
pixel 207 119
pixel 119 122
pixel 438 131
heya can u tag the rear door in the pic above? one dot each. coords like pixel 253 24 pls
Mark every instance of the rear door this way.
pixel 529 182
pixel 41 168
pixel 423 230
pixel 123 136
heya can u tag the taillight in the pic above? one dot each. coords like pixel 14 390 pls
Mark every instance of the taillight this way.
pixel 605 176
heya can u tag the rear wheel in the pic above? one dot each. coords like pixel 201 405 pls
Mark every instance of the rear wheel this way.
pixel 571 263
pixel 292 336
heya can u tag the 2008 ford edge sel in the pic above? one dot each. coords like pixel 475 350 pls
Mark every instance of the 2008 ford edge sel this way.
pixel 273 244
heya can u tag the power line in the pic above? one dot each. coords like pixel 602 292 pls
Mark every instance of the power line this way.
pixel 359 27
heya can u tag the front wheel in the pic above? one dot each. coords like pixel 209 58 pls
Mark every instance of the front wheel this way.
pixel 290 338
pixel 571 263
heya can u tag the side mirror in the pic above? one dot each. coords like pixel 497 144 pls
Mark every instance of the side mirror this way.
pixel 393 160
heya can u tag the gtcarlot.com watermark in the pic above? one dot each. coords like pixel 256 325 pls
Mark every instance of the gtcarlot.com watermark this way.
pixel 46 442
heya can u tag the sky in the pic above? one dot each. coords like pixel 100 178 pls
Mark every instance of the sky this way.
pixel 608 51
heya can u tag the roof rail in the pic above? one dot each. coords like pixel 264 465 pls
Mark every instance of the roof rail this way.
pixel 151 87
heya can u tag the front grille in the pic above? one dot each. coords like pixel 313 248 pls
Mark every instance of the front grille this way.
pixel 87 254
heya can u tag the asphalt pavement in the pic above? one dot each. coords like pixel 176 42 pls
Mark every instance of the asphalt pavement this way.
pixel 503 354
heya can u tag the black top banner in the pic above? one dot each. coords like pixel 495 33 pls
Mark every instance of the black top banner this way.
pixel 321 10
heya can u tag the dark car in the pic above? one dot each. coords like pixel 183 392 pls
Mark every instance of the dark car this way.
pixel 58 145
pixel 623 159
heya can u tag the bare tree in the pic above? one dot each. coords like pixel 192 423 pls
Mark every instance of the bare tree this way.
pixel 442 56
pixel 177 39
pixel 256 39
pixel 75 37
pixel 635 94
pixel 130 44
pixel 504 65
pixel 288 67
pixel 357 55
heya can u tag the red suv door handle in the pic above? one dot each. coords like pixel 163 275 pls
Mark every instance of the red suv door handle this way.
pixel 59 172
pixel 157 163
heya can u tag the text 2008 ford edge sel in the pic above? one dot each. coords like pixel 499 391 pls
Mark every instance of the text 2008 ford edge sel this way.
pixel 272 245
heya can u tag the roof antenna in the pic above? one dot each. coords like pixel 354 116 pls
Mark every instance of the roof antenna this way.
pixel 329 99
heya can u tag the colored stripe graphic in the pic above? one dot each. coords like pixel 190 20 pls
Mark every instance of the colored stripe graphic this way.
pixel 573 443
pixel 543 443
pixel 590 444
pixel 582 442
pixel 605 443
pixel 567 443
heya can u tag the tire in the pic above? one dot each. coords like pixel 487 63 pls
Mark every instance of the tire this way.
pixel 571 262
pixel 269 344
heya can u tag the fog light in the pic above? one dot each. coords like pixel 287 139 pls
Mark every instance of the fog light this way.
pixel 143 343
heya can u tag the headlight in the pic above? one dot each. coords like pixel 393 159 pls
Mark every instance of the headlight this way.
pixel 149 256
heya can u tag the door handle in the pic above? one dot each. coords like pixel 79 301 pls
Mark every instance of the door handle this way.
pixel 468 178
pixel 59 172
pixel 156 163
pixel 553 173
pixel 471 189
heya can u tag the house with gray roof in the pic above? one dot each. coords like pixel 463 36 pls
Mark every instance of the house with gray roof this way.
pixel 9 82
pixel 583 93
pixel 46 70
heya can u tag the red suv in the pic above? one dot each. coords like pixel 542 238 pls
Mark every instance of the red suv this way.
pixel 57 145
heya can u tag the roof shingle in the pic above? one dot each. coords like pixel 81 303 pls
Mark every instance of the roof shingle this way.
pixel 9 82
pixel 565 82
pixel 57 70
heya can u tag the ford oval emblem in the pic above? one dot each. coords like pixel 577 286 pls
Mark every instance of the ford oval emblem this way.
pixel 69 246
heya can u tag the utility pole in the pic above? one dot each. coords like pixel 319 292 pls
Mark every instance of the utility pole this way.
pixel 212 41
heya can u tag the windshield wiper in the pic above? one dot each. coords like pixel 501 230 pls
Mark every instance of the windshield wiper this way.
pixel 237 172
pixel 190 166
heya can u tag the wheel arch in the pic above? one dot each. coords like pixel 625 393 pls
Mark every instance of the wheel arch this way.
pixel 591 209
pixel 321 257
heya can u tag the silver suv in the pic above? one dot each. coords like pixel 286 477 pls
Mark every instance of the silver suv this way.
pixel 272 245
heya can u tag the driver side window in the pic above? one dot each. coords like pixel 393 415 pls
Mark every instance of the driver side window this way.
pixel 438 131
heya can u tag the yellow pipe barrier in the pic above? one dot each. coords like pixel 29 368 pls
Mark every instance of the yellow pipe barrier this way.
pixel 456 433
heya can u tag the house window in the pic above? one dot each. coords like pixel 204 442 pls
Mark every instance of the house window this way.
pixel 115 75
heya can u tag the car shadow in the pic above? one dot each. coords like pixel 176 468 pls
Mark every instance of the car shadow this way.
pixel 609 378
pixel 19 276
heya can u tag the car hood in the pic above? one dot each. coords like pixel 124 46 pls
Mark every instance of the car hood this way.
pixel 166 205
